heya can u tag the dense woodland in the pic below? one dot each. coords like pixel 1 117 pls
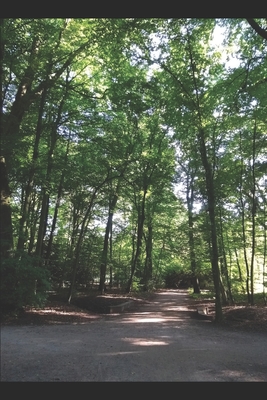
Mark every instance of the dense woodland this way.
pixel 133 154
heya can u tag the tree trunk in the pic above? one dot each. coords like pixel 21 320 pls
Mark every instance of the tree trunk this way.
pixel 110 257
pixel 103 266
pixel 141 219
pixel 45 195
pixel 210 192
pixel 264 272
pixel 42 225
pixel 59 194
pixel 190 202
pixel 224 266
pixel 148 262
pixel 32 223
pixel 243 225
pixel 213 231
pixel 23 98
pixel 6 235
pixel 23 221
pixel 78 246
pixel 239 272
pixel 253 216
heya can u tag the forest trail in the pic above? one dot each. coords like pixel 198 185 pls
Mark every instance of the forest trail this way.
pixel 161 341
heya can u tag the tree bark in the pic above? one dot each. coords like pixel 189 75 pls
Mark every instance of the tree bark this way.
pixel 210 192
pixel 79 244
pixel 148 261
pixel 190 202
pixel 23 99
pixel 264 273
pixel 224 266
pixel 253 217
pixel 45 188
pixel 110 256
pixel 32 223
pixel 140 227
pixel 243 226
pixel 260 31
pixel 213 231
pixel 6 234
pixel 103 266
pixel 29 187
pixel 59 195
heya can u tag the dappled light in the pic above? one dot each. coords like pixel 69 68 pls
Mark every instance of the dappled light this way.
pixel 151 318
pixel 145 342
pixel 133 181
pixel 59 315
pixel 142 319
pixel 162 341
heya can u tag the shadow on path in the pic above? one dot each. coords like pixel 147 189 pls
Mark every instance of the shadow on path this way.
pixel 166 307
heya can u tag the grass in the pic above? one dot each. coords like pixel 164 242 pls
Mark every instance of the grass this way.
pixel 204 295
pixel 239 298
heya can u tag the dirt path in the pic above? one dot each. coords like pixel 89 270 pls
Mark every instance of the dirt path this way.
pixel 161 341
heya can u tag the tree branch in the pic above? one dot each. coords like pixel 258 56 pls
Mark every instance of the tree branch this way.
pixel 260 31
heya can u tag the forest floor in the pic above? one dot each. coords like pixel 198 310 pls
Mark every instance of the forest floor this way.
pixel 91 305
pixel 161 337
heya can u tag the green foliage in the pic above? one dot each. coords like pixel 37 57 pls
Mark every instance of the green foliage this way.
pixel 23 282
pixel 136 286
pixel 176 278
pixel 204 295
pixel 124 103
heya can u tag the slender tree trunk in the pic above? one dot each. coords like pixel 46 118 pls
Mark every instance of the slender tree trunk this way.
pixel 148 261
pixel 79 244
pixel 224 266
pixel 103 266
pixel 8 279
pixel 244 230
pixel 253 216
pixel 134 235
pixel 223 292
pixel 80 239
pixel 29 187
pixel 191 241
pixel 110 256
pixel 141 219
pixel 210 191
pixel 45 197
pixel 32 224
pixel 51 236
pixel 213 231
pixel 45 189
pixel 42 225
pixel 59 195
pixel 239 271
pixel 264 255
pixel 6 234
pixel 70 248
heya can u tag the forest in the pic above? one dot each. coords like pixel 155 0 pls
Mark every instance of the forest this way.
pixel 133 154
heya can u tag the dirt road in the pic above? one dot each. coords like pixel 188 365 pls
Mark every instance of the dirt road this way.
pixel 163 341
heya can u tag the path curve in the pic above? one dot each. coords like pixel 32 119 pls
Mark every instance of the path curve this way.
pixel 161 341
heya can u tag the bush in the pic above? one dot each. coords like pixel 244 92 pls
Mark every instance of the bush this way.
pixel 136 285
pixel 23 282
pixel 177 278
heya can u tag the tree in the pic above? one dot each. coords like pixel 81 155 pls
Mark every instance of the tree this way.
pixel 133 144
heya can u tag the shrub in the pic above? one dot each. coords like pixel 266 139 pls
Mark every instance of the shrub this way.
pixel 23 282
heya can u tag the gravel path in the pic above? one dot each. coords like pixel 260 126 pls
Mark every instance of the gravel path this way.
pixel 162 341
